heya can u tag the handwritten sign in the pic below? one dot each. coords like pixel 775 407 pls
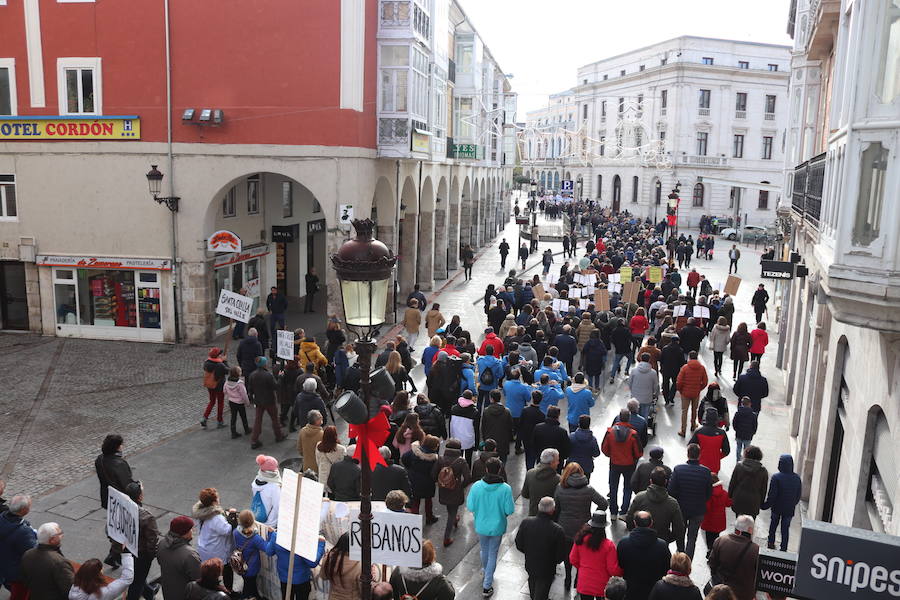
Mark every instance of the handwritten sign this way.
pixel 732 284
pixel 655 274
pixel 305 539
pixel 285 348
pixel 234 306
pixel 396 539
pixel 625 274
pixel 122 520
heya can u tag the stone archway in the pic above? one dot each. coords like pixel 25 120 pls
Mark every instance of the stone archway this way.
pixel 425 246
pixel 384 211
pixel 465 219
pixel 472 238
pixel 407 238
pixel 441 230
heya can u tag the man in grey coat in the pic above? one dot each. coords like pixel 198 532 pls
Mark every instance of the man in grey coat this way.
pixel 644 384
pixel 179 562
pixel 541 480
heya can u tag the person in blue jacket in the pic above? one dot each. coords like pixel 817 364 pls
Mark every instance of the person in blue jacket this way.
pixel 491 363
pixel 580 401
pixel 467 375
pixel 18 537
pixel 250 543
pixel 552 369
pixel 552 393
pixel 583 446
pixel 517 394
pixel 302 576
pixel 428 354
pixel 785 489
pixel 490 500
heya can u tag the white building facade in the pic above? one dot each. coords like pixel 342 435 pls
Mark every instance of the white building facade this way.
pixel 841 340
pixel 707 113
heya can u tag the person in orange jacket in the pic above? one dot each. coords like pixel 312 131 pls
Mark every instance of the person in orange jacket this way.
pixel 692 380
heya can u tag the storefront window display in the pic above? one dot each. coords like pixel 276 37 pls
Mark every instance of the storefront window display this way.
pixel 237 272
pixel 107 298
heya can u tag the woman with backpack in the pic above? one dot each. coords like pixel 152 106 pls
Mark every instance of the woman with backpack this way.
pixel 245 560
pixel 266 490
pixel 423 583
pixel 453 476
pixel 215 369
pixel 419 461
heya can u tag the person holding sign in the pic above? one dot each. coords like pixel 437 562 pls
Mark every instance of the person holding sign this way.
pixel 301 581
pixel 423 583
pixel 148 540
pixel 90 584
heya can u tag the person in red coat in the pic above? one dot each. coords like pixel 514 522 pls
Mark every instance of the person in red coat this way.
pixel 692 380
pixel 491 339
pixel 624 450
pixel 760 339
pixel 595 557
pixel 693 280
pixel 715 521
pixel 713 442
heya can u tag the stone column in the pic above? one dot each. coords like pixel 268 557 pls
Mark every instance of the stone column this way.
pixel 440 244
pixel 453 239
pixel 33 297
pixel 407 253
pixel 425 251
pixel 198 304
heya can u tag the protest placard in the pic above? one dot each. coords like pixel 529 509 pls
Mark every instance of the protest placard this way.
pixel 396 539
pixel 538 291
pixel 701 312
pixel 299 510
pixel 234 306
pixel 561 305
pixel 285 348
pixel 614 288
pixel 613 278
pixel 583 303
pixel 601 299
pixel 630 292
pixel 625 274
pixel 732 284
pixel 679 311
pixel 575 292
pixel 655 274
pixel 122 520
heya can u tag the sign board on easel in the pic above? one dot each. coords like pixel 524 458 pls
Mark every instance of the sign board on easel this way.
pixel 122 520
pixel 234 306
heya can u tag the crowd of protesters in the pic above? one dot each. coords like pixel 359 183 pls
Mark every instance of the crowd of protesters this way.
pixel 527 383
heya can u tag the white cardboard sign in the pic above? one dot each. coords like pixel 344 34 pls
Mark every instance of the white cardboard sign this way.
pixel 122 520
pixel 306 536
pixel 234 306
pixel 285 348
pixel 396 539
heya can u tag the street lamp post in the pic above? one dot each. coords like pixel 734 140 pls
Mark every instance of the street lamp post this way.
pixel 154 180
pixel 363 266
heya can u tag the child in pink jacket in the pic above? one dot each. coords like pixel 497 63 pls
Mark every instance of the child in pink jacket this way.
pixel 236 394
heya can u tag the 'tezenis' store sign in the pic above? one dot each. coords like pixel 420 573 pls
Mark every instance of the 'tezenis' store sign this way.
pixel 69 128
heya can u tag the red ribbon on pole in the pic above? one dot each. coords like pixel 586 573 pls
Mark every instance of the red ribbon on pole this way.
pixel 371 435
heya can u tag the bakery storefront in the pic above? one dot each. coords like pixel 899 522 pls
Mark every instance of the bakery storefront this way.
pixel 108 298
pixel 236 271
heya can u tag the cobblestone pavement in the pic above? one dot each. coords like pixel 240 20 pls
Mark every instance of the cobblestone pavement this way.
pixel 61 396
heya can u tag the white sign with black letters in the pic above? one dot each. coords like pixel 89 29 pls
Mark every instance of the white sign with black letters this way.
pixel 122 520
pixel 396 539
pixel 285 347
pixel 234 306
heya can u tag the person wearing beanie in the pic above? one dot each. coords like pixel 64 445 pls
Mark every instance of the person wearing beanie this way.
pixel 215 369
pixel 641 477
pixel 179 562
pixel 266 491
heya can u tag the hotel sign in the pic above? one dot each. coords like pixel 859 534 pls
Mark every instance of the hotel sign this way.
pixel 69 128
pixel 465 151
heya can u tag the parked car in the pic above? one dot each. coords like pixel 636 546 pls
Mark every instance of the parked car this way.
pixel 751 233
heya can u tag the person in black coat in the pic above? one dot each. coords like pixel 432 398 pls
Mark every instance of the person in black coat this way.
pixel 388 478
pixel 308 400
pixel 671 360
pixel 258 322
pixel 419 461
pixel 497 424
pixel 247 351
pixel 430 417
pixel 443 382
pixel 344 478
pixel 744 423
pixel 568 347
pixel 691 485
pixel 643 557
pixel 112 471
pixel 594 357
pixel 543 543
pixel 691 336
pixel 549 434
pixel 532 415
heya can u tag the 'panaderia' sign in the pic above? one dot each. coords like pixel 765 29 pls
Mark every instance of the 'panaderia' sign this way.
pixel 69 128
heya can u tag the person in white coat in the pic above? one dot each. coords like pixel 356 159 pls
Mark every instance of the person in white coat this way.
pixel 89 583
pixel 266 491
pixel 215 537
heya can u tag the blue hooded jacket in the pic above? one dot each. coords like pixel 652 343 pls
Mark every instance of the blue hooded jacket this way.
pixel 493 363
pixel 517 395
pixel 302 567
pixel 784 488
pixel 17 536
pixel 583 449
pixel 552 396
pixel 467 379
pixel 580 403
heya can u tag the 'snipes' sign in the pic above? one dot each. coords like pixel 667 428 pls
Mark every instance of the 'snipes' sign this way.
pixel 234 306
pixel 396 539
pixel 843 562
pixel 122 520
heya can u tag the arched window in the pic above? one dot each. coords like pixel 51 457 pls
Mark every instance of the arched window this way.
pixel 698 195
pixel 617 189
pixel 599 186
pixel 658 192
pixel 634 189
pixel 556 181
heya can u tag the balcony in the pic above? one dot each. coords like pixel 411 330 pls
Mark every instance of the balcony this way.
pixel 769 116
pixel 693 160
pixel 703 112
pixel 806 196
pixel 740 114
pixel 395 13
